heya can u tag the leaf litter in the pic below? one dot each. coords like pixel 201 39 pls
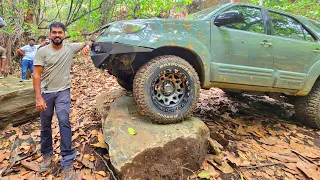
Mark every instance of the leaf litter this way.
pixel 87 82
pixel 260 136
pixel 249 139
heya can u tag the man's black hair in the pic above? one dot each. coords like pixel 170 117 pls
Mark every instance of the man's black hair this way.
pixel 57 25
pixel 32 39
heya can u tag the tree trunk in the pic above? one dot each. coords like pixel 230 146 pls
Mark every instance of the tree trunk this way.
pixel 9 57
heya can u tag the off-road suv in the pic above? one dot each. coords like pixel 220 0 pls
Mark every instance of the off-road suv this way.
pixel 235 47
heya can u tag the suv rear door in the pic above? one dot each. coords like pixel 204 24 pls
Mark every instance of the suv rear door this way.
pixel 295 50
pixel 242 53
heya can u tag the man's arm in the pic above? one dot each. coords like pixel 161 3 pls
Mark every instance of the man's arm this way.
pixel 3 61
pixel 44 43
pixel 21 52
pixel 40 103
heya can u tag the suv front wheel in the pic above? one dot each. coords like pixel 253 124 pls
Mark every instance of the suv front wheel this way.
pixel 166 89
pixel 308 107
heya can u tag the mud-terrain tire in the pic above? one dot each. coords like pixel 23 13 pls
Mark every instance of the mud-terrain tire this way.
pixel 125 84
pixel 308 107
pixel 166 89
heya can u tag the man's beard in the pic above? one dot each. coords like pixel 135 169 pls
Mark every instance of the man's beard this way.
pixel 57 43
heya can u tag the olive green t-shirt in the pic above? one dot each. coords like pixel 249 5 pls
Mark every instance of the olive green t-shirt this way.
pixel 2 53
pixel 57 65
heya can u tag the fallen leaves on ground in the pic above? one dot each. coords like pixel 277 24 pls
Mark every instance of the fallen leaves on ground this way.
pixel 257 144
pixel 249 139
pixel 87 82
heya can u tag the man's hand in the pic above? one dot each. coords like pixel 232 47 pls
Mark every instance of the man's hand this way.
pixel 41 104
pixel 86 46
pixel 86 50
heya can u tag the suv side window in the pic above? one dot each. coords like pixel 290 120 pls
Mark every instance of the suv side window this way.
pixel 285 26
pixel 253 21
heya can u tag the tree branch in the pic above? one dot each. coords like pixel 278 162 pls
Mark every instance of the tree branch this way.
pixel 79 17
pixel 69 11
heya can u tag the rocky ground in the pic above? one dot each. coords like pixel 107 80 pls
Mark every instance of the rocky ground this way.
pixel 252 137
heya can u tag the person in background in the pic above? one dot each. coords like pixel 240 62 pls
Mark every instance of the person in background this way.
pixel 2 61
pixel 2 53
pixel 51 83
pixel 28 52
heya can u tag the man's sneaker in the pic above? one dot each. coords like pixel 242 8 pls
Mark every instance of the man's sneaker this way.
pixel 67 173
pixel 45 165
pixel 1 76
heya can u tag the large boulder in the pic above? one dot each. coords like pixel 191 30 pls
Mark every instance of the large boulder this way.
pixel 156 151
pixel 17 102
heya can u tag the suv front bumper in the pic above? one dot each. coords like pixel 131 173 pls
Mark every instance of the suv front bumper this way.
pixel 101 50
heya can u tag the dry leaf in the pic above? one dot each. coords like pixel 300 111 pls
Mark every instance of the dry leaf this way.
pixel 311 170
pixel 101 142
pixel 30 175
pixel 102 173
pixel 99 177
pixel 50 177
pixel 241 131
pixel 290 158
pixel 86 156
pixel 77 165
pixel 87 163
pixel 40 159
pixel 235 160
pixel 30 165
pixel 269 140
pixel 92 158
pixel 4 156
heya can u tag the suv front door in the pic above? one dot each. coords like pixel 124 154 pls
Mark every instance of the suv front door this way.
pixel 294 49
pixel 242 53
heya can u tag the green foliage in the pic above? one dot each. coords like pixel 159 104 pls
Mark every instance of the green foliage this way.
pixel 307 8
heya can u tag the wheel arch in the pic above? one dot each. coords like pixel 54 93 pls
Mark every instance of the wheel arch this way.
pixel 190 56
pixel 312 76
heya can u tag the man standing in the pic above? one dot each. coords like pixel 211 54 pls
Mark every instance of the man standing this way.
pixel 2 61
pixel 28 52
pixel 51 82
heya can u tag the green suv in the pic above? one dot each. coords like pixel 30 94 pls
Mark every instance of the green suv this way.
pixel 237 47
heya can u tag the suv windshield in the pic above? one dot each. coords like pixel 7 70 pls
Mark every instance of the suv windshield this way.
pixel 203 13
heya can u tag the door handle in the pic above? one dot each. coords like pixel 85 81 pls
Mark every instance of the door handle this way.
pixel 265 43
pixel 316 50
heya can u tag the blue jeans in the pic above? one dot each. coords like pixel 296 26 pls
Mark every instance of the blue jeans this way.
pixel 25 65
pixel 61 102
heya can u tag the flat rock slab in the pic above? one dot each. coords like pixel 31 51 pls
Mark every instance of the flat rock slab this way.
pixel 156 151
pixel 17 102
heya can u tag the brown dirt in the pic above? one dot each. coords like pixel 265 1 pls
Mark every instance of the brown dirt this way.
pixel 166 163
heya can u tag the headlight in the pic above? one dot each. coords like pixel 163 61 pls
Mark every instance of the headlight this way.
pixel 124 28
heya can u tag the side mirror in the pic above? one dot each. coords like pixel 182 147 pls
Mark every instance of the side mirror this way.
pixel 229 17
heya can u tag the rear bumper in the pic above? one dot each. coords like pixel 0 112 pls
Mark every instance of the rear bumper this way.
pixel 100 51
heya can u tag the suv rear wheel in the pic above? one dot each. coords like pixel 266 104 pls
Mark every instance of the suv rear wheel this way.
pixel 308 107
pixel 166 89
